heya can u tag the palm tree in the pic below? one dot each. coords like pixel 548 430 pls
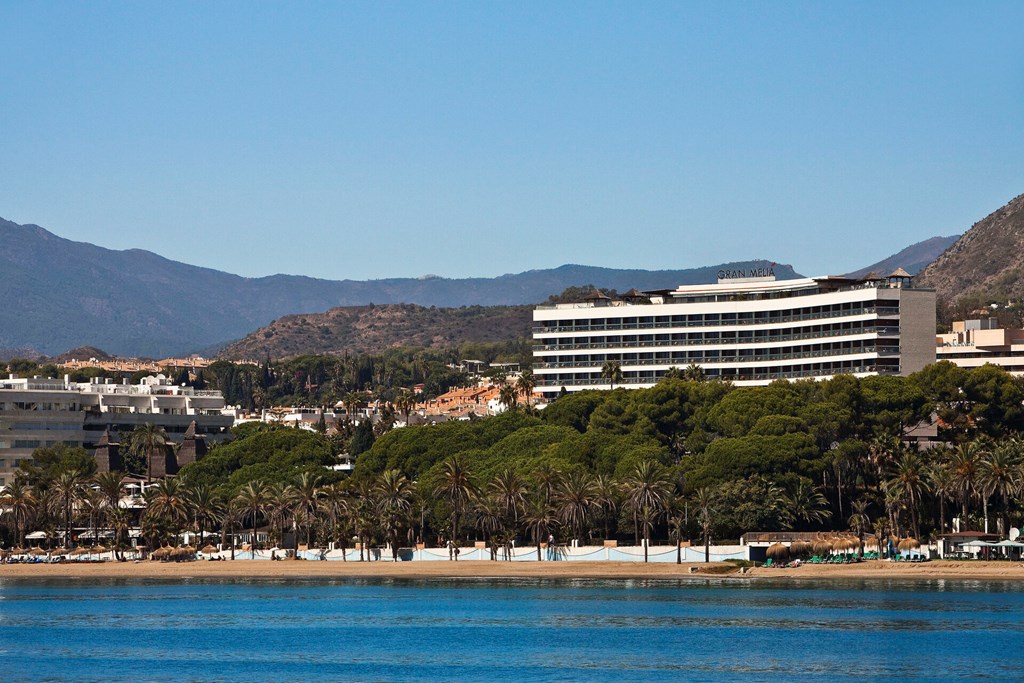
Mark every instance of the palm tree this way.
pixel 230 518
pixel 252 502
pixel 807 505
pixel 352 401
pixel 964 470
pixel 280 504
pixel 677 524
pixel 93 506
pixel 457 488
pixel 705 500
pixel 490 520
pixel 547 479
pixel 940 481
pixel 148 440
pixel 120 521
pixel 612 371
pixel 111 485
pixel 673 372
pixel 394 501
pixel 647 490
pixel 606 498
pixel 20 499
pixel 335 503
pixel 509 489
pixel 540 519
pixel 694 373
pixel 908 479
pixel 1000 474
pixel 205 506
pixel 859 520
pixel 525 385
pixel 405 403
pixel 306 495
pixel 574 502
pixel 508 397
pixel 67 489
pixel 167 500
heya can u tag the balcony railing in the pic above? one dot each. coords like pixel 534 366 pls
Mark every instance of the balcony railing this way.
pixel 773 320
pixel 721 359
pixel 746 377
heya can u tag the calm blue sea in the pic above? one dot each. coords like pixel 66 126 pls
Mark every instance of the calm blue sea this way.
pixel 509 630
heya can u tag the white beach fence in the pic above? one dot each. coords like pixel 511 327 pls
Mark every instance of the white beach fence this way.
pixel 556 553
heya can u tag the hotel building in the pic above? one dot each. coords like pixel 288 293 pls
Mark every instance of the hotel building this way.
pixel 746 330
pixel 40 412
pixel 973 343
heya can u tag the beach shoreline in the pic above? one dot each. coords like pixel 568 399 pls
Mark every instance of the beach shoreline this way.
pixel 484 569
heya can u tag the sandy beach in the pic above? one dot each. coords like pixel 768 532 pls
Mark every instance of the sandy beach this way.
pixel 256 570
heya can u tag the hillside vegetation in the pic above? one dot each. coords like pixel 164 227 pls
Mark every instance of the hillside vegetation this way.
pixel 982 267
pixel 374 329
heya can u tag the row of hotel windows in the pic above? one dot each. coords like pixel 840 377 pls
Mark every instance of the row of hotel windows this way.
pixel 47 406
pixel 718 338
pixel 683 358
pixel 34 443
pixel 44 426
pixel 727 374
pixel 887 308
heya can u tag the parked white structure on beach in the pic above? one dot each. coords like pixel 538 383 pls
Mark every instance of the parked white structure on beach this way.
pixel 747 330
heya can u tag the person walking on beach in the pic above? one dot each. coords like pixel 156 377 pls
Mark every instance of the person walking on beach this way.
pixel 451 550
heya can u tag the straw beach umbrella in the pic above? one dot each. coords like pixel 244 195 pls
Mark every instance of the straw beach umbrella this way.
pixel 908 544
pixel 777 552
pixel 821 547
pixel 800 548
pixel 209 549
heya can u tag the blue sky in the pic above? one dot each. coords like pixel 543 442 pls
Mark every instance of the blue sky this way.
pixel 362 140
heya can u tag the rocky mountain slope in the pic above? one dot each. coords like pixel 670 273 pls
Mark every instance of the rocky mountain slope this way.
pixel 372 329
pixel 985 264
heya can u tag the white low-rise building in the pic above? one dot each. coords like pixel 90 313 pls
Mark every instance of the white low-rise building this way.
pixel 40 412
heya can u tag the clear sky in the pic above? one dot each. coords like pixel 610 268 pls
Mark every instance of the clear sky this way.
pixel 368 140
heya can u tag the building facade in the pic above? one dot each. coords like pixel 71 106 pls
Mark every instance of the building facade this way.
pixel 40 412
pixel 973 343
pixel 749 331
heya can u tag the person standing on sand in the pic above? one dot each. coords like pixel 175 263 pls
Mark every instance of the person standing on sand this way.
pixel 451 550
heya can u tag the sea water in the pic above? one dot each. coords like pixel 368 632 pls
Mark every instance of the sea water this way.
pixel 509 630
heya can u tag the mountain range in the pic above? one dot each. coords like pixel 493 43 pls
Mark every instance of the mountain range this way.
pixel 58 294
pixel 912 259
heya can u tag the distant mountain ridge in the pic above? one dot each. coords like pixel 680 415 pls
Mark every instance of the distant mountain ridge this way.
pixel 912 259
pixel 59 294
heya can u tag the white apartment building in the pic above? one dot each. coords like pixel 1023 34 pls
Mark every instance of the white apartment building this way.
pixel 746 330
pixel 40 412
pixel 973 343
